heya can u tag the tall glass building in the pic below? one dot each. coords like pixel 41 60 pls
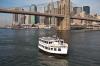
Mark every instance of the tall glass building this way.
pixel 86 9
pixel 77 10
pixel 17 17
pixel 23 17
pixel 32 18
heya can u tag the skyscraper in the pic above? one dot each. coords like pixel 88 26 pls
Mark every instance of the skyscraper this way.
pixel 27 19
pixel 23 17
pixel 33 19
pixel 17 17
pixel 77 10
pixel 86 9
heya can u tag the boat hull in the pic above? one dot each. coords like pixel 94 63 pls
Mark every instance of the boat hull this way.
pixel 53 53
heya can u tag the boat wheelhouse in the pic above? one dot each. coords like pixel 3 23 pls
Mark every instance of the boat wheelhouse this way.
pixel 53 45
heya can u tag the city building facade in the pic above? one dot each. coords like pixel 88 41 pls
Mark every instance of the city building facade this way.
pixel 33 19
pixel 86 9
pixel 18 18
pixel 77 10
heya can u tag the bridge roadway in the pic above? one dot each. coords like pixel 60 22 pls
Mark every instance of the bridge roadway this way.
pixel 46 14
pixel 85 18
pixel 31 13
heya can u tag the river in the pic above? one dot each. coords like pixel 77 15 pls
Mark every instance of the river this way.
pixel 19 48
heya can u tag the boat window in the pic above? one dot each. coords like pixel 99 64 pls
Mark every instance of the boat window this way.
pixel 50 42
pixel 62 42
pixel 56 41
pixel 54 49
pixel 59 49
pixel 45 41
pixel 43 46
pixel 42 41
pixel 51 48
pixel 46 47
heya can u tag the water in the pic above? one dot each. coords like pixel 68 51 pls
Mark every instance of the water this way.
pixel 19 48
pixel 84 48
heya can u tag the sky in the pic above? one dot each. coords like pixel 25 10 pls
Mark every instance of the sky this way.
pixel 94 4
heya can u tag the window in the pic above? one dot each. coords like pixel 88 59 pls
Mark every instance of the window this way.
pixel 43 46
pixel 50 42
pixel 59 49
pixel 45 41
pixel 42 40
pixel 51 48
pixel 46 47
pixel 54 49
pixel 62 42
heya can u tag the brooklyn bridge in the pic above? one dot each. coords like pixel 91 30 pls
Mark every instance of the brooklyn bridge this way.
pixel 63 15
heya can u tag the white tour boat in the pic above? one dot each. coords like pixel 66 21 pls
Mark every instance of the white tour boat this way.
pixel 53 45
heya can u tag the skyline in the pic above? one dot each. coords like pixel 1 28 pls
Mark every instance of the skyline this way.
pixel 94 4
pixel 20 3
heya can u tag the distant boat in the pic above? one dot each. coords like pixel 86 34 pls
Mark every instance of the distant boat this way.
pixel 48 27
pixel 17 27
pixel 53 45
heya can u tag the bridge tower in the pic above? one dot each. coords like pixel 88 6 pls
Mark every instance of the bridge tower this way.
pixel 64 23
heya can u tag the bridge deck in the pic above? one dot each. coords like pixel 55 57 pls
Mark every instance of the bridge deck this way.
pixel 86 18
pixel 31 13
pixel 46 14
